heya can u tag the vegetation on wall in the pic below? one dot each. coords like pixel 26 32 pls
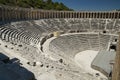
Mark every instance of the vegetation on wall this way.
pixel 39 4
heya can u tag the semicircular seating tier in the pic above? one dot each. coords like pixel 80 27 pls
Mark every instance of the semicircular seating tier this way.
pixel 31 32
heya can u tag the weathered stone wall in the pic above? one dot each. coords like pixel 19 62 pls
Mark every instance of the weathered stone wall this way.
pixel 116 68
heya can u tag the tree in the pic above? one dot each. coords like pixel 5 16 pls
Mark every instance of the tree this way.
pixel 40 4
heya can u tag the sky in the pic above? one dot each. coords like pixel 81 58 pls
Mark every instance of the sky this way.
pixel 91 5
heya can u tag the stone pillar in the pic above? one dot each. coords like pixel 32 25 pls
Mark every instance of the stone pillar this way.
pixel 114 15
pixel 63 14
pixel 22 14
pixel 94 15
pixel 34 14
pixel 89 14
pixel 67 14
pixel 38 14
pixel 3 13
pixel 38 17
pixel 116 68
pixel 103 15
pixel 60 14
pixel 52 14
pixel 24 11
pixel 49 14
pixel 81 14
pixel 6 13
pixel 75 13
pixel 11 14
pixel 17 14
pixel 0 13
pixel 30 14
pixel 45 14
pixel 111 14
pixel 78 14
pixel 84 14
pixel 108 14
pixel 70 14
pixel 42 13
pixel 57 14
pixel 118 15
pixel 97 15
